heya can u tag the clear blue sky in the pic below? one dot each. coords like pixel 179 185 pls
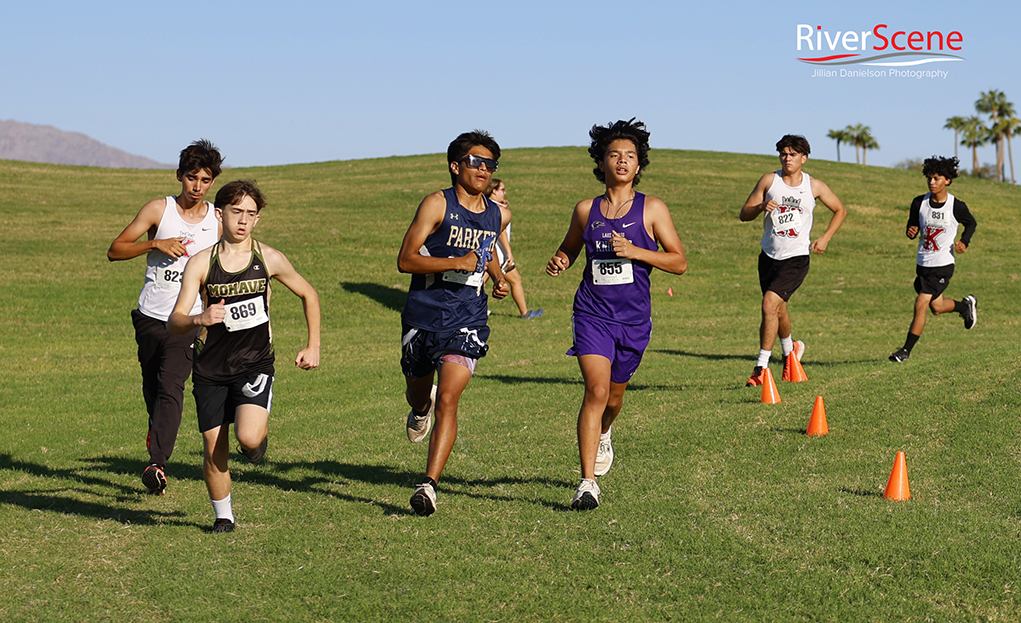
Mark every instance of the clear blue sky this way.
pixel 301 81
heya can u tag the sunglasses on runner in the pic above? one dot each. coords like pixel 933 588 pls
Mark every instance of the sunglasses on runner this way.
pixel 476 162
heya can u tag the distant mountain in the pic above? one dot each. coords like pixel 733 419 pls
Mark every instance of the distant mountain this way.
pixel 44 143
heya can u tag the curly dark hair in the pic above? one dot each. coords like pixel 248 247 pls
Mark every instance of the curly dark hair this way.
pixel 796 142
pixel 461 145
pixel 938 165
pixel 602 136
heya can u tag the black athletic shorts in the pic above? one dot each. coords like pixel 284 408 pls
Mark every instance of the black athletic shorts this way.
pixel 782 276
pixel 216 404
pixel 933 279
pixel 422 350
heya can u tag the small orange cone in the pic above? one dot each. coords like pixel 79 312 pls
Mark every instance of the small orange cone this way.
pixel 897 488
pixel 817 423
pixel 769 394
pixel 670 291
pixel 793 370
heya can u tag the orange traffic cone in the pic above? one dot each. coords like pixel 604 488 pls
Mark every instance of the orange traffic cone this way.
pixel 793 370
pixel 817 423
pixel 897 488
pixel 769 394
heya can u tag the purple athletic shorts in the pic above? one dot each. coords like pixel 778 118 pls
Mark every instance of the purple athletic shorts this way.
pixel 622 344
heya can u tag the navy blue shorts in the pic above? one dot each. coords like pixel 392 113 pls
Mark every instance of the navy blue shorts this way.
pixel 622 344
pixel 421 350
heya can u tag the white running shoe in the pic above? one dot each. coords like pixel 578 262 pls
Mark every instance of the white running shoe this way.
pixel 423 500
pixel 587 496
pixel 604 455
pixel 799 349
pixel 419 425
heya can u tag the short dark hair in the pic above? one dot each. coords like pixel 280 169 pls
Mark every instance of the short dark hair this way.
pixel 602 136
pixel 494 183
pixel 461 145
pixel 201 154
pixel 796 142
pixel 938 165
pixel 234 192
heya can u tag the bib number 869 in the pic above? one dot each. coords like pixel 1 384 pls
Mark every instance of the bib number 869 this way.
pixel 242 311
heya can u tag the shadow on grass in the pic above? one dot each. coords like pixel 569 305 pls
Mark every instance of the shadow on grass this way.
pixel 385 296
pixel 68 490
pixel 539 380
pixel 325 476
pixel 863 493
pixel 751 358
pixel 70 486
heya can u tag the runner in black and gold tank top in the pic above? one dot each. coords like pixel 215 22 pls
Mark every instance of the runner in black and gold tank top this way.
pixel 242 344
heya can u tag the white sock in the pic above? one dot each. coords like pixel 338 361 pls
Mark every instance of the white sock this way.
pixel 223 508
pixel 606 435
pixel 763 360
pixel 787 343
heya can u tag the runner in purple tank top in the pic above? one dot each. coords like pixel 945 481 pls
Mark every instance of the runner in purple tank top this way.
pixel 621 232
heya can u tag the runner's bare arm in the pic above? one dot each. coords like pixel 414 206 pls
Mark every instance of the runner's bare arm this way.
pixel 127 245
pixel 657 219
pixel 829 199
pixel 756 203
pixel 573 243
pixel 280 268
pixel 427 220
pixel 181 321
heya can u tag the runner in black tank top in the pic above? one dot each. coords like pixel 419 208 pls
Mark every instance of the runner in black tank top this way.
pixel 234 361
pixel 242 344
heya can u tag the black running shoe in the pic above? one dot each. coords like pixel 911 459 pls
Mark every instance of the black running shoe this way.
pixel 970 313
pixel 755 378
pixel 255 454
pixel 900 356
pixel 223 525
pixel 154 479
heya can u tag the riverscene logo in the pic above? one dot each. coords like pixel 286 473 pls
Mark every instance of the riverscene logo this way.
pixel 893 49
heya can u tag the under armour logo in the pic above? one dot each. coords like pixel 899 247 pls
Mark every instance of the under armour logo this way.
pixel 453 216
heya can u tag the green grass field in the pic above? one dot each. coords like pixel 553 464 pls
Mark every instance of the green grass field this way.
pixel 717 508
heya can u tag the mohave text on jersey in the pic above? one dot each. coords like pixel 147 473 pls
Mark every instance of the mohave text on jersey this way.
pixel 221 290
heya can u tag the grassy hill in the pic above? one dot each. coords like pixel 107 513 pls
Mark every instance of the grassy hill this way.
pixel 717 508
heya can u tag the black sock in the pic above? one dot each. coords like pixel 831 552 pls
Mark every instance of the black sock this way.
pixel 911 341
pixel 430 482
pixel 960 306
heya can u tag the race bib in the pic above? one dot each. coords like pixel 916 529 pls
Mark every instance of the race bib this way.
pixel 786 221
pixel 169 277
pixel 245 314
pixel 463 277
pixel 612 272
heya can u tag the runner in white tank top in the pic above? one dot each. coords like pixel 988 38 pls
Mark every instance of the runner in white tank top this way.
pixel 163 272
pixel 786 200
pixel 168 231
pixel 935 218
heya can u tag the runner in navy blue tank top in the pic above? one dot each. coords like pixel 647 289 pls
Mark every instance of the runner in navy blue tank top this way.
pixel 621 233
pixel 447 249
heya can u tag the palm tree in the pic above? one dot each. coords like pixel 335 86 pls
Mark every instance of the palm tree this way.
pixel 1011 126
pixel 974 135
pixel 956 124
pixel 992 102
pixel 840 136
pixel 867 142
pixel 853 133
pixel 861 136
